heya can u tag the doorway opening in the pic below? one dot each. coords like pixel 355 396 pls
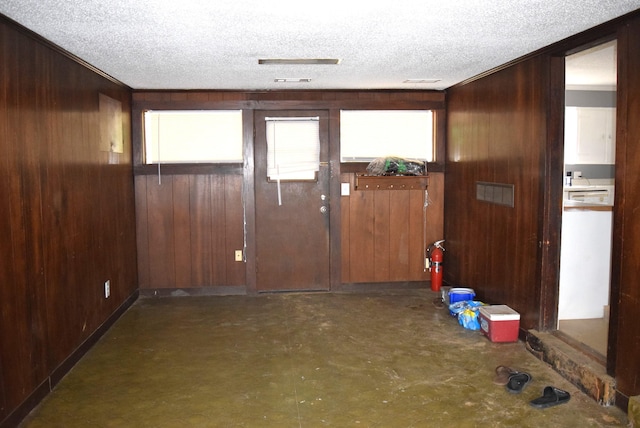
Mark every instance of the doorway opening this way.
pixel 588 190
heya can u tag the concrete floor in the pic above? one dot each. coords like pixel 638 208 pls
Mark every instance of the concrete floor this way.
pixel 304 360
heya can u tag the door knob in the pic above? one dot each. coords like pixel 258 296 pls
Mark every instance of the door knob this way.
pixel 323 209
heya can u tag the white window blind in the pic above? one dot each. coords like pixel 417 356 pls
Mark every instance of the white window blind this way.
pixel 187 136
pixel 369 134
pixel 293 148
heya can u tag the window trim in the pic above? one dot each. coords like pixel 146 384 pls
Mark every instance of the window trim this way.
pixel 333 101
pixel 145 148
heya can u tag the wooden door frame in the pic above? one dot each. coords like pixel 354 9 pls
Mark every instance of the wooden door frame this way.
pixel 335 223
pixel 552 189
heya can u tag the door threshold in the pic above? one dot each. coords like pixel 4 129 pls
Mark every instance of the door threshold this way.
pixel 574 365
pixel 583 348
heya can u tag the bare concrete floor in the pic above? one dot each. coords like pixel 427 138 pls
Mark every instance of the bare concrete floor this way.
pixel 304 360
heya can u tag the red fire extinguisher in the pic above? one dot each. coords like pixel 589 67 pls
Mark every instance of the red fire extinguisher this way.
pixel 435 255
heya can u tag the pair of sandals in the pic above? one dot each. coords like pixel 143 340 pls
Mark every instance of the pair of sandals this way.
pixel 515 381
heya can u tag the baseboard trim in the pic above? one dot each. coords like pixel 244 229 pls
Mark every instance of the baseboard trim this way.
pixel 36 397
pixel 222 290
pixel 359 287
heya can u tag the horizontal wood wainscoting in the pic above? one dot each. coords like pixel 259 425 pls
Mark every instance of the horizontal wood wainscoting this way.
pixel 383 235
pixel 189 226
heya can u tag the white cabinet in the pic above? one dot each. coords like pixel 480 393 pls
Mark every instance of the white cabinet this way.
pixel 590 135
pixel 585 263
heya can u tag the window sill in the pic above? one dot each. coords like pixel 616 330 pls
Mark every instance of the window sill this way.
pixel 189 168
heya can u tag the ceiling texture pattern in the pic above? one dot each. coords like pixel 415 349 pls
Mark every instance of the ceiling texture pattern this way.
pixel 209 44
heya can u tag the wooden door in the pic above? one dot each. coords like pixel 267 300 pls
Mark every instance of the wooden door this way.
pixel 292 223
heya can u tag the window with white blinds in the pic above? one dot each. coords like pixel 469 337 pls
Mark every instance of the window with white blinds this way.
pixel 193 136
pixel 369 134
pixel 293 148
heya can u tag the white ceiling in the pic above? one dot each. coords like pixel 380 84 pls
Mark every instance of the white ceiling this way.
pixel 209 44
pixel 593 69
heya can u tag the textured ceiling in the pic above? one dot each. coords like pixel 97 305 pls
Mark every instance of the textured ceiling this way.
pixel 594 69
pixel 206 44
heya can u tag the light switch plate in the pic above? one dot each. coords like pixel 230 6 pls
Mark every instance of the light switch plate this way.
pixel 345 189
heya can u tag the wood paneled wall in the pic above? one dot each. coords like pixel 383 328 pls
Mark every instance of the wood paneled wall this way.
pixel 506 127
pixel 189 227
pixel 67 214
pixel 383 231
pixel 163 212
pixel 626 236
pixel 497 133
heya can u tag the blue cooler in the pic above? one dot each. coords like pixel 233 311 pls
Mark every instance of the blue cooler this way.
pixel 460 294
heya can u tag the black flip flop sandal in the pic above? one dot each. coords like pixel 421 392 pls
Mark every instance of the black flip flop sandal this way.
pixel 517 382
pixel 551 396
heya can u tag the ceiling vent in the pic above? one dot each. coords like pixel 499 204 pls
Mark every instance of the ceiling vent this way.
pixel 421 80
pixel 292 80
pixel 299 61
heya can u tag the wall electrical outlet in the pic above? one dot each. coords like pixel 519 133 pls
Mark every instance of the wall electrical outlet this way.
pixel 107 289
pixel 238 255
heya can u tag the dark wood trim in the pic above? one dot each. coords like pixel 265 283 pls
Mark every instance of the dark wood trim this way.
pixel 617 248
pixel 137 137
pixel 222 290
pixel 249 200
pixel 49 44
pixel 64 368
pixel 61 371
pixel 286 100
pixel 551 188
pixel 335 193
pixel 365 287
pixel 384 182
pixel 39 393
pixel 440 139
pixel 622 401
pixel 189 168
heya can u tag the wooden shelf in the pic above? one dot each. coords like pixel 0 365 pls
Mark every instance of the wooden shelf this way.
pixel 390 182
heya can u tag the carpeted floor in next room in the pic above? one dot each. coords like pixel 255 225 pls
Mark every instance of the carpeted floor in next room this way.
pixel 385 359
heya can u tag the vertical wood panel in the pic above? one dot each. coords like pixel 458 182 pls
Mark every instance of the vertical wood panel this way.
pixel 70 212
pixel 182 231
pixel 417 227
pixel 497 133
pixel 362 243
pixel 383 235
pixel 435 210
pixel 142 231
pixel 219 255
pixel 234 217
pixel 382 245
pixel 399 226
pixel 626 251
pixel 195 224
pixel 161 231
pixel 201 230
pixel 16 360
pixel 345 230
